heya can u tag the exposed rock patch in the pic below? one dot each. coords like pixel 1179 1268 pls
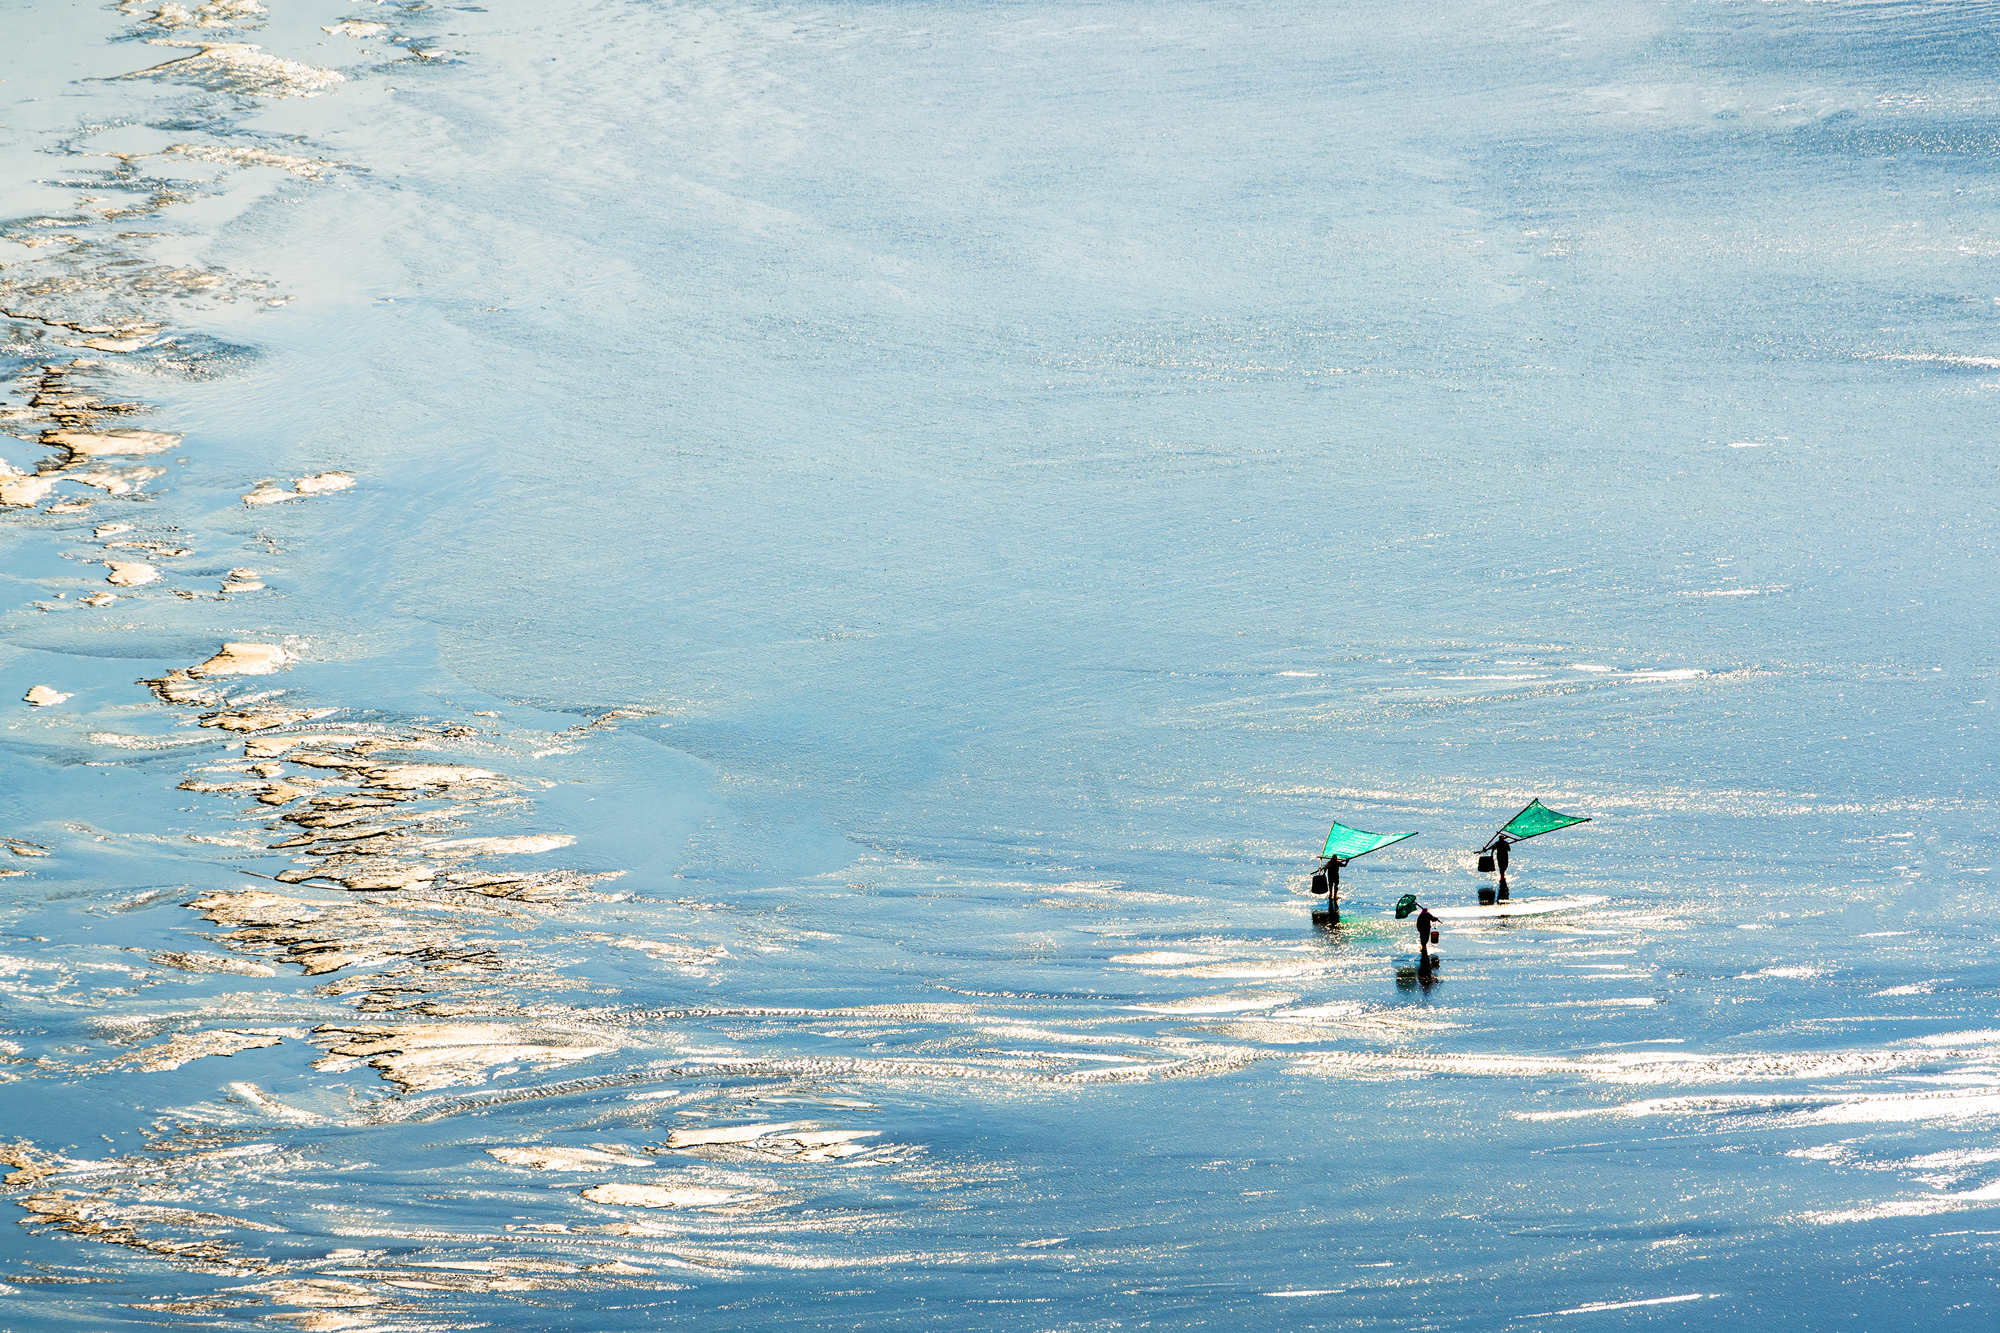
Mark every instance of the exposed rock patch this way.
pixel 261 719
pixel 25 492
pixel 309 168
pixel 214 14
pixel 239 67
pixel 541 1158
pixel 245 659
pixel 186 1046
pixel 204 962
pixel 418 1057
pixel 82 445
pixel 321 483
pixel 664 1196
pixel 130 573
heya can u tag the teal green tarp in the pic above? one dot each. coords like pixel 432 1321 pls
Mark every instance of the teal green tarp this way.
pixel 1538 819
pixel 1348 843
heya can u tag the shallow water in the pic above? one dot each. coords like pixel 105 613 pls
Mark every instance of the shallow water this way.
pixel 923 514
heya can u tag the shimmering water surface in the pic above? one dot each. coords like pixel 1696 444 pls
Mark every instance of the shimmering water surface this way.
pixel 811 577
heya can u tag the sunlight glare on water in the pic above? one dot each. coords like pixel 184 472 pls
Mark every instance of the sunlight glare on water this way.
pixel 805 582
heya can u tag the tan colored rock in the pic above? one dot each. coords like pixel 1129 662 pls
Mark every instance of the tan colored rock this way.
pixel 113 483
pixel 322 482
pixel 269 492
pixel 566 1159
pixel 268 747
pixel 254 907
pixel 186 1046
pixel 688 1138
pixel 245 659
pixel 663 1196
pixel 404 776
pixel 319 1291
pixel 214 14
pixel 177 687
pixel 25 492
pixel 243 788
pixel 100 599
pixel 110 443
pixel 366 876
pixel 516 846
pixel 324 1321
pixel 206 962
pixel 42 696
pixel 103 1218
pixel 130 573
pixel 311 168
pixel 158 550
pixel 418 1057
pixel 352 807
pixel 317 760
pixel 544 886
pixel 30 1164
pixel 257 719
pixel 241 67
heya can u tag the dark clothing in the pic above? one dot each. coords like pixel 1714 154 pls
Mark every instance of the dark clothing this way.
pixel 1326 880
pixel 1425 923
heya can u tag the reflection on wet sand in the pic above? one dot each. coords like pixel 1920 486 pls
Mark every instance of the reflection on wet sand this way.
pixel 418 964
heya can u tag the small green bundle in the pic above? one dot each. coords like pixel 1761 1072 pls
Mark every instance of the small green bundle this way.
pixel 1405 905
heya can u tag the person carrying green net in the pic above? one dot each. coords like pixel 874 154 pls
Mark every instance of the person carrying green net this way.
pixel 1343 844
pixel 1534 820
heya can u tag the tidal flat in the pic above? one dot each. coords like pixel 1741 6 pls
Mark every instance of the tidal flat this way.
pixel 683 663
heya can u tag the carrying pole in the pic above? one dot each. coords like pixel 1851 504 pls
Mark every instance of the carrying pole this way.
pixel 1533 820
pixel 1326 880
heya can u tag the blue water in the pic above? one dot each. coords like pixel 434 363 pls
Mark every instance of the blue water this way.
pixel 1005 477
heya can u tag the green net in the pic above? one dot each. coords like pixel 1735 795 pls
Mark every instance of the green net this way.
pixel 1348 843
pixel 1538 819
pixel 1405 905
